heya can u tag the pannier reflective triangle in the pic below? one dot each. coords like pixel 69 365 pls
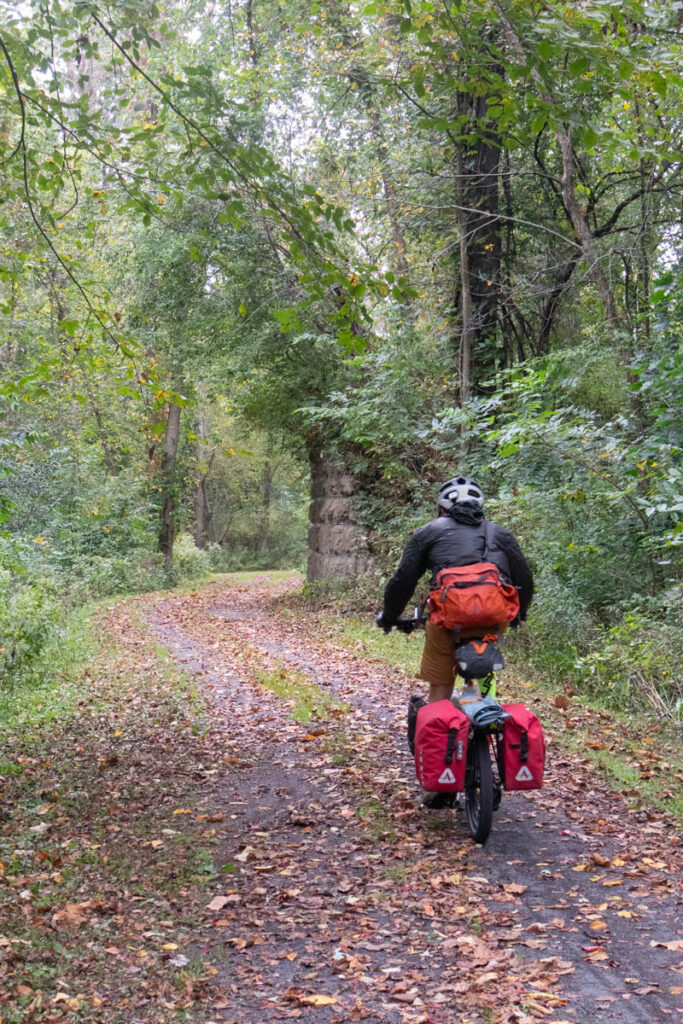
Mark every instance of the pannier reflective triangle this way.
pixel 441 747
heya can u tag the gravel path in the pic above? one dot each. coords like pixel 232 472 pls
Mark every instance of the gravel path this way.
pixel 344 900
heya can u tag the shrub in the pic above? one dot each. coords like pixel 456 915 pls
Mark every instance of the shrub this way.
pixel 29 620
pixel 638 662
pixel 189 561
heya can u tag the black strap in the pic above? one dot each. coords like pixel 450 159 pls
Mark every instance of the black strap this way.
pixel 452 744
pixel 524 747
pixel 488 538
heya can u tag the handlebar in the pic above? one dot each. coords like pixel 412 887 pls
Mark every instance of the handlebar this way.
pixel 403 625
pixel 416 621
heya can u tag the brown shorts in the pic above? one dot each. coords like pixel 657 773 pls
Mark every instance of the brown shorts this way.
pixel 438 657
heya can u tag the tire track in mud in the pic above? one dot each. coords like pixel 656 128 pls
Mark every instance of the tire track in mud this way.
pixel 385 910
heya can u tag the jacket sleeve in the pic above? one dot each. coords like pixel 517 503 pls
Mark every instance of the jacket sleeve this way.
pixel 520 571
pixel 402 584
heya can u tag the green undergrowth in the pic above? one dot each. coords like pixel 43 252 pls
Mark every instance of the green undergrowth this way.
pixel 638 753
pixel 306 700
pixel 50 692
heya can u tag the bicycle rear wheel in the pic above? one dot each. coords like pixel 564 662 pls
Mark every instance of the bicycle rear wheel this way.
pixel 479 788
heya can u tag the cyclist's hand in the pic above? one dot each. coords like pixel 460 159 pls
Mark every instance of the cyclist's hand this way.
pixel 382 623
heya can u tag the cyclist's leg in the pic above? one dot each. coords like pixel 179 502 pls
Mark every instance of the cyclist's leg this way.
pixel 437 666
pixel 438 669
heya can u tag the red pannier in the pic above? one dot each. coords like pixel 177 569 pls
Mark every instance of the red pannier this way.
pixel 523 749
pixel 441 747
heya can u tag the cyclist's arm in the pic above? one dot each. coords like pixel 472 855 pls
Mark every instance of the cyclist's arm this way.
pixel 402 584
pixel 520 571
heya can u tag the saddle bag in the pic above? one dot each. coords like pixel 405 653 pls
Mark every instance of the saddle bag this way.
pixel 474 595
pixel 522 757
pixel 441 747
pixel 478 658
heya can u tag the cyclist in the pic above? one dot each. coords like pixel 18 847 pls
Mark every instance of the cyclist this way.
pixel 455 538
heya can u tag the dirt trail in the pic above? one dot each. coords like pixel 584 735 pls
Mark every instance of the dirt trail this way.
pixel 347 901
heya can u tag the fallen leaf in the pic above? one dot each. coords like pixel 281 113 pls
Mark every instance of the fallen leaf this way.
pixel 217 903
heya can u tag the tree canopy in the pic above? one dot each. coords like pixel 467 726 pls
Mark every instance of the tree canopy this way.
pixel 241 242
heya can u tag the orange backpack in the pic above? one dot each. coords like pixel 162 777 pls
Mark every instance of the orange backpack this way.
pixel 475 595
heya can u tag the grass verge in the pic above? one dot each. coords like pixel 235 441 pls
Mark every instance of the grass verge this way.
pixel 305 699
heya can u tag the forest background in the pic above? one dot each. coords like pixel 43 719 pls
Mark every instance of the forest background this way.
pixel 256 257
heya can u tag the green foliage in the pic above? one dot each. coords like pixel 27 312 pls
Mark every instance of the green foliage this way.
pixel 638 661
pixel 189 561
pixel 268 221
pixel 29 621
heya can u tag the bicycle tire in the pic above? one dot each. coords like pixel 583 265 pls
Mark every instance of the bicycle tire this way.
pixel 479 788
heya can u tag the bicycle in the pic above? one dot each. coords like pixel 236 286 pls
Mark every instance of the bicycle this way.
pixel 484 780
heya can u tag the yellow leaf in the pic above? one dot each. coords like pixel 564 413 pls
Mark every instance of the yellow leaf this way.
pixel 318 1000
pixel 170 945
pixel 598 926
pixel 183 810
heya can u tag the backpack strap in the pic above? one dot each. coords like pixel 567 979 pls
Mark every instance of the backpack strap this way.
pixel 488 538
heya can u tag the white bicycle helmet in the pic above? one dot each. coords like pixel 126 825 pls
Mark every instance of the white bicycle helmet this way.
pixel 460 491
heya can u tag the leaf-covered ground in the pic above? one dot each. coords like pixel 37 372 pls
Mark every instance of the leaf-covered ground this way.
pixel 235 834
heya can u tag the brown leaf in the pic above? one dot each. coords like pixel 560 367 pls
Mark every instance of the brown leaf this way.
pixel 69 918
pixel 217 903
pixel 317 1000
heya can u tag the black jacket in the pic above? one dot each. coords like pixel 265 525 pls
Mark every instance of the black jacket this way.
pixel 448 542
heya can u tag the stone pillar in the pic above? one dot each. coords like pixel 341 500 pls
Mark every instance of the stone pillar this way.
pixel 336 547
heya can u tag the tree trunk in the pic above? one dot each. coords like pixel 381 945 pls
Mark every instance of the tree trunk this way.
pixel 266 496
pixel 466 325
pixel 398 258
pixel 550 306
pixel 481 188
pixel 576 214
pixel 202 510
pixel 168 462
pixel 582 229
